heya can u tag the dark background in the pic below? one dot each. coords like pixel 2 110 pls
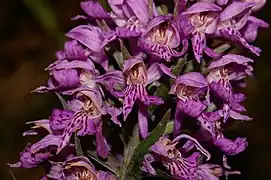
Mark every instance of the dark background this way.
pixel 29 38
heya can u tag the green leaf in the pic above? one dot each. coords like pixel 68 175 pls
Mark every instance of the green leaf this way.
pixel 125 53
pixel 105 5
pixel 131 166
pixel 222 48
pixel 104 164
pixel 181 62
pixel 128 153
pixel 169 128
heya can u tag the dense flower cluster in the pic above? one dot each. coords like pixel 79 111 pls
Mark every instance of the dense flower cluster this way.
pixel 110 65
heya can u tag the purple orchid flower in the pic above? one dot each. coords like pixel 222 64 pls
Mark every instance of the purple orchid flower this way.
pixel 131 14
pixel 250 30
pixel 89 108
pixel 203 17
pixel 36 153
pixel 162 36
pixel 173 160
pixel 230 68
pixel 211 123
pixel 72 70
pixel 92 38
pixel 78 167
pixel 231 20
pixel 188 87
pixel 135 77
pixel 219 2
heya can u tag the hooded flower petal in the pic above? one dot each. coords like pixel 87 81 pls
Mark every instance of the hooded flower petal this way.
pixel 94 9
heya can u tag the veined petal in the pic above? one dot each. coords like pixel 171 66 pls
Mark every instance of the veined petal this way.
pixel 230 58
pixel 236 36
pixel 140 9
pixel 49 140
pixel 199 44
pixel 129 101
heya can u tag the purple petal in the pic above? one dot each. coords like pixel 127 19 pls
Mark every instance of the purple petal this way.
pixel 114 112
pixel 49 140
pixel 222 2
pixel 235 9
pixel 129 101
pixel 147 167
pixel 102 147
pixel 231 147
pixel 193 79
pixel 157 70
pixel 191 107
pixel 222 92
pixel 142 94
pixel 237 116
pixel 87 35
pixel 66 78
pixel 202 7
pixel 140 9
pixel 230 58
pixel 87 128
pixel 143 120
pixel 94 9
pixel 130 63
pixel 199 44
pixel 123 32
pixel 60 119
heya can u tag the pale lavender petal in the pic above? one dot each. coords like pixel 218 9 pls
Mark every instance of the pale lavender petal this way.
pixel 202 7
pixel 64 64
pixel 43 123
pixel 199 44
pixel 114 113
pixel 159 148
pixel 94 9
pixel 87 35
pixel 143 120
pixel 130 63
pixel 222 2
pixel 231 147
